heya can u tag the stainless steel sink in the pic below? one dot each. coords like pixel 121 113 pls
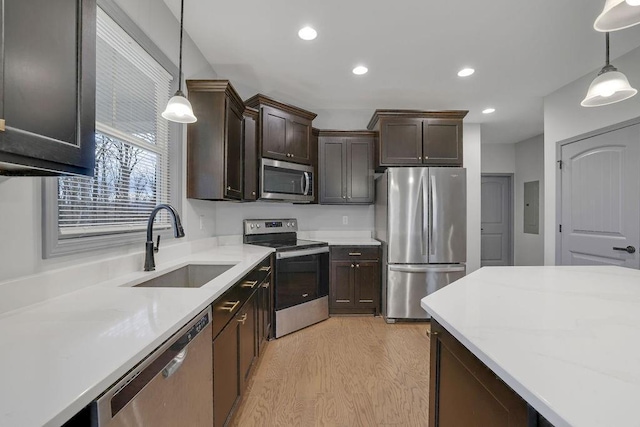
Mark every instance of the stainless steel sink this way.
pixel 189 276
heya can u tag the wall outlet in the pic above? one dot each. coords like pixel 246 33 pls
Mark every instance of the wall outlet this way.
pixel 345 220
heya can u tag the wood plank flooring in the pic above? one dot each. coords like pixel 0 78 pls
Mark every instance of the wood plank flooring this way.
pixel 345 371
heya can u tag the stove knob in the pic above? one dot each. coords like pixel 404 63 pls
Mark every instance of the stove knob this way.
pixel 288 224
pixel 293 224
pixel 253 226
pixel 258 225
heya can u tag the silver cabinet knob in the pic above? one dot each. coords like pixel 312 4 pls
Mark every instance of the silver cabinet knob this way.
pixel 352 266
pixel 419 157
pixel 357 265
pixel 253 193
pixel 229 188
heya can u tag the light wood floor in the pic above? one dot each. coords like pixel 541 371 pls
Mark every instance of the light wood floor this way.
pixel 345 371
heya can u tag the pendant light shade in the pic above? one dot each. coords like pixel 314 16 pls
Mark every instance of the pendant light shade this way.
pixel 179 108
pixel 617 15
pixel 609 87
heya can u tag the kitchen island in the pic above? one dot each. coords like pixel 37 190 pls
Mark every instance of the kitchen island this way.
pixel 563 341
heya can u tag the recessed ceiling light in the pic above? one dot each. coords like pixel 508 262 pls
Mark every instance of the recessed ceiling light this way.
pixel 360 70
pixel 307 33
pixel 488 110
pixel 466 72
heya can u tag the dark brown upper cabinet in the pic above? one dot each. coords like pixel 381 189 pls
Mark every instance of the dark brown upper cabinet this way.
pixel 346 164
pixel 285 130
pixel 409 137
pixel 251 154
pixel 214 142
pixel 48 85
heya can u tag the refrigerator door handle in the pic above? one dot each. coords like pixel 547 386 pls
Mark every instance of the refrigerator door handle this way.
pixel 433 196
pixel 429 269
pixel 425 237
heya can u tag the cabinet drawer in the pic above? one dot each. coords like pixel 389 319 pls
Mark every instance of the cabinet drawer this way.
pixel 355 253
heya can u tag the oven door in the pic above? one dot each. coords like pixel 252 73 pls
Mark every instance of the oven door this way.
pixel 301 276
pixel 286 181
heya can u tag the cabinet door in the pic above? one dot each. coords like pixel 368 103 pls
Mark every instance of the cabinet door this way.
pixel 247 330
pixel 341 286
pixel 47 94
pixel 333 170
pixel 401 142
pixel 442 142
pixel 226 373
pixel 299 140
pixel 359 170
pixel 233 154
pixel 463 391
pixel 366 284
pixel 250 167
pixel 274 133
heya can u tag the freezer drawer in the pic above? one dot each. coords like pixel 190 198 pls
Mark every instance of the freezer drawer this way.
pixel 408 284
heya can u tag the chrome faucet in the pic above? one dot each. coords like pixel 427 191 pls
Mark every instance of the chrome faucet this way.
pixel 178 231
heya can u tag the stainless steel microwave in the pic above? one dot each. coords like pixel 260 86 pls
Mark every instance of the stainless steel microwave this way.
pixel 286 181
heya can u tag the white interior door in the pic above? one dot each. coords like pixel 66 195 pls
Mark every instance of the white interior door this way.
pixel 495 234
pixel 601 199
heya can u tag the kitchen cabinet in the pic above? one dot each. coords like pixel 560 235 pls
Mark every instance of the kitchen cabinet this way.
pixel 48 80
pixel 285 130
pixel 411 138
pixel 354 286
pixel 464 391
pixel 251 154
pixel 214 143
pixel 346 163
pixel 237 331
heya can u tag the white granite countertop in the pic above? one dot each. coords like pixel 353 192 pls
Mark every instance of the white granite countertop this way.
pixel 344 238
pixel 566 339
pixel 60 354
pixel 353 241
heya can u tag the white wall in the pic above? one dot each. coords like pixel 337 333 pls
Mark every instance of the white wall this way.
pixel 20 198
pixel 529 166
pixel 472 161
pixel 565 118
pixel 498 158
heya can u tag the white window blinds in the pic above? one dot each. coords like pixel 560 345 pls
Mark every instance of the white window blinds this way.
pixel 132 142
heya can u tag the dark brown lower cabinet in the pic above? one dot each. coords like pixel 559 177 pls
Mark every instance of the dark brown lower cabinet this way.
pixel 354 286
pixel 465 392
pixel 226 372
pixel 265 304
pixel 247 320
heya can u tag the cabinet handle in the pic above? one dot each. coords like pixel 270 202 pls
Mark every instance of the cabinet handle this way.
pixel 352 266
pixel 355 253
pixel 342 300
pixel 366 300
pixel 344 197
pixel 243 318
pixel 266 268
pixel 230 308
pixel 229 188
pixel 249 284
pixel 266 285
pixel 305 295
pixel 2 124
pixel 253 193
pixel 420 157
pixel 357 265
pixel 426 157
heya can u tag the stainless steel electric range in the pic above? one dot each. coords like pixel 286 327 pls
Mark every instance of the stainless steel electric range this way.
pixel 301 273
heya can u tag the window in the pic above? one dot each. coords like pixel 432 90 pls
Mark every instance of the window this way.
pixel 133 167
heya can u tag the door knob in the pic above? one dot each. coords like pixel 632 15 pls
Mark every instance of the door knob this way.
pixel 628 249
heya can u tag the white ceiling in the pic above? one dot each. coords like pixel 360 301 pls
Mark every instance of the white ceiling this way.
pixel 521 50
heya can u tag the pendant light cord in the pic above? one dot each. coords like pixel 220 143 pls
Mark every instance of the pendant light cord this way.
pixel 606 48
pixel 180 60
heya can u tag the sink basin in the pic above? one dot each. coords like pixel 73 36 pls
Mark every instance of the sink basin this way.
pixel 189 276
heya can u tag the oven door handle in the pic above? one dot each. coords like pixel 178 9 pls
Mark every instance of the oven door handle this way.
pixel 302 252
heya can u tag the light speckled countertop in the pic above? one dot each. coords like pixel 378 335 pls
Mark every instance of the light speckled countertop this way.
pixel 60 354
pixel 566 339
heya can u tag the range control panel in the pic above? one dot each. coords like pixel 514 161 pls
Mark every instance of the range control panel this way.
pixel 266 226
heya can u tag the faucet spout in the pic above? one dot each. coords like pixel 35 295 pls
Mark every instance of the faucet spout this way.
pixel 178 231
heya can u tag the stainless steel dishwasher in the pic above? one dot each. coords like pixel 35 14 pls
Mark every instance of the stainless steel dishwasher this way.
pixel 172 387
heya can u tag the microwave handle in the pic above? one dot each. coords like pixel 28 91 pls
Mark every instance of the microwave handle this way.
pixel 307 183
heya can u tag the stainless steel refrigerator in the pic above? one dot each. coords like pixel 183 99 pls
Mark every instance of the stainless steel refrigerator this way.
pixel 421 220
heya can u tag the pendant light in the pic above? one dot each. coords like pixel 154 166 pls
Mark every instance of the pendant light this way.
pixel 610 86
pixel 617 15
pixel 179 108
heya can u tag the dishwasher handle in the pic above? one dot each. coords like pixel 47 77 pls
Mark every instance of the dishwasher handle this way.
pixel 166 360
